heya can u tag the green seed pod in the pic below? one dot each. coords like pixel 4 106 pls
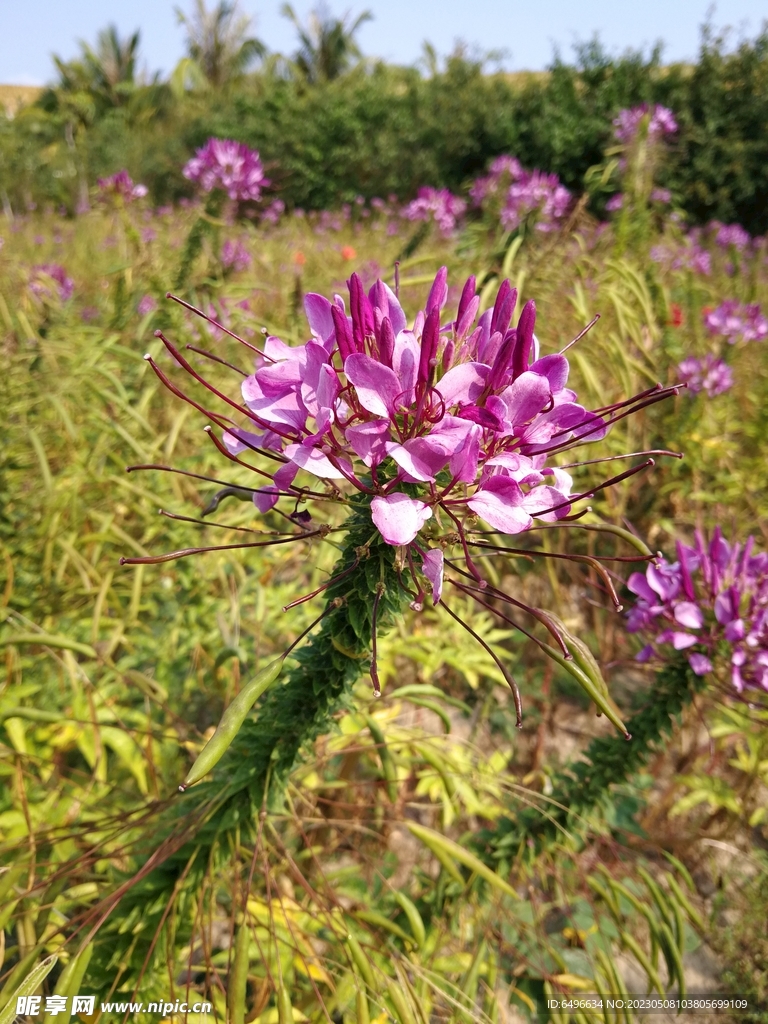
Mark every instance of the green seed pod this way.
pixel 230 723
pixel 239 978
pixel 400 1002
pixel 361 962
pixel 387 764
pixel 426 753
pixel 69 983
pixel 685 903
pixel 284 1008
pixel 589 687
pixel 414 918
pixel 630 943
pixel 363 1013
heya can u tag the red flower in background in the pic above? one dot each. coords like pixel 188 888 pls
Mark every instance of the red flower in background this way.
pixel 676 319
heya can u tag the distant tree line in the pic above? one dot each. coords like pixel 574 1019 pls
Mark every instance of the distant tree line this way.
pixel 331 125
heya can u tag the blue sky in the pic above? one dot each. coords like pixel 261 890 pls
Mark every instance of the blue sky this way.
pixel 31 30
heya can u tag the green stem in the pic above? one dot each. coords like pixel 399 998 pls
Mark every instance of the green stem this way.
pixel 203 226
pixel 585 787
pixel 209 817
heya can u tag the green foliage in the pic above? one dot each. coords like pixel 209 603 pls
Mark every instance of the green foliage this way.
pixel 586 787
pixel 115 677
pixel 378 130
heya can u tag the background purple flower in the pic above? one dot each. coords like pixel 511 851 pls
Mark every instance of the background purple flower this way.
pixel 709 374
pixel 439 205
pixel 521 193
pixel 121 184
pixel 737 322
pixel 235 256
pixel 230 166
pixel 274 212
pixel 146 305
pixel 731 235
pixel 44 274
pixel 627 122
pixel 715 597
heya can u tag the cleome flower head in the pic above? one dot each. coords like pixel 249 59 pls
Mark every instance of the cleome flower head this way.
pixel 519 194
pixel 660 120
pixel 708 374
pixel 736 322
pixel 48 280
pixel 121 184
pixel 712 601
pixel 438 205
pixel 230 166
pixel 433 422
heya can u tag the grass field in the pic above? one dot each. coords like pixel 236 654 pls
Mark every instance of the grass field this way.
pixel 116 675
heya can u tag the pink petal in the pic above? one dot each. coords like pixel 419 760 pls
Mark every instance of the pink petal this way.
pixel 315 461
pixel 405 363
pixel 265 498
pixel 421 459
pixel 234 440
pixel 368 440
pixel 463 384
pixel 639 585
pixel 689 615
pixel 554 368
pixel 499 502
pixel 540 499
pixel 287 408
pixel 526 397
pixel 700 664
pixel 399 518
pixel 432 567
pixel 318 311
pixel 376 385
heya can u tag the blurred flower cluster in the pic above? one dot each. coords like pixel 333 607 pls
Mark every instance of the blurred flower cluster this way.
pixel 229 166
pixel 518 194
pixel 438 205
pixel 50 280
pixel 121 184
pixel 731 235
pixel 709 374
pixel 689 254
pixel 627 124
pixel 736 322
pixel 235 256
pixel 713 598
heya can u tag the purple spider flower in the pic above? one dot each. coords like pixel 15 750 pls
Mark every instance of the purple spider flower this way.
pixel 616 202
pixel 502 172
pixel 274 212
pixel 661 121
pixel 230 166
pixel 736 322
pixel 709 374
pixel 146 305
pixel 731 236
pixel 522 194
pixel 436 420
pixel 689 255
pixel 121 184
pixel 439 205
pixel 44 275
pixel 714 595
pixel 235 256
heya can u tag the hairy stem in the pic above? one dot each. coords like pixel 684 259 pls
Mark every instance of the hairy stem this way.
pixel 209 820
pixel 585 787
